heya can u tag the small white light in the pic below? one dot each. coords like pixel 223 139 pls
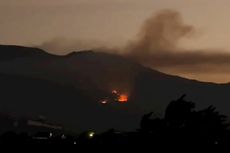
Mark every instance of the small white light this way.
pixel 114 92
pixel 91 134
pixel 63 136
pixel 51 134
pixel 74 142
pixel 104 102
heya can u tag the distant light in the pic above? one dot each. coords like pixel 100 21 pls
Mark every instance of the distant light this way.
pixel 91 134
pixel 74 142
pixel 114 92
pixel 104 101
pixel 63 136
pixel 51 134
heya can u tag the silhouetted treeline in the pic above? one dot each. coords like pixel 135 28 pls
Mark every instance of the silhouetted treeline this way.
pixel 181 124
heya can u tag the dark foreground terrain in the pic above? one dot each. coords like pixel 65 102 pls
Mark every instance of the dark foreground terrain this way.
pixel 182 124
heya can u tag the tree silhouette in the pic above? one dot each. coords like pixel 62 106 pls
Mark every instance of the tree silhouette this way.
pixel 183 124
pixel 179 112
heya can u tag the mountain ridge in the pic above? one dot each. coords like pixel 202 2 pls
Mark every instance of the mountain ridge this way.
pixel 94 75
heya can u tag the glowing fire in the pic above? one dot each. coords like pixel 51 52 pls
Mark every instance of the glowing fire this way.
pixel 123 98
pixel 115 97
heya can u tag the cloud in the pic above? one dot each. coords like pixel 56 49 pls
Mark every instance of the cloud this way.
pixel 161 32
pixel 157 46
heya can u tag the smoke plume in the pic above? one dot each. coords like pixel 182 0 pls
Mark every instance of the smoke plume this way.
pixel 157 46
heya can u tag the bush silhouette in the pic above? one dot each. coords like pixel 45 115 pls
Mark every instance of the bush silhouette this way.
pixel 183 124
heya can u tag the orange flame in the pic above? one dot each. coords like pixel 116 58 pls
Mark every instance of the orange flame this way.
pixel 123 98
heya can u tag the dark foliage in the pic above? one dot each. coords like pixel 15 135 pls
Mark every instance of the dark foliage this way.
pixel 182 124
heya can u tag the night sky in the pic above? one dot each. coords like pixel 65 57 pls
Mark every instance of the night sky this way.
pixel 62 26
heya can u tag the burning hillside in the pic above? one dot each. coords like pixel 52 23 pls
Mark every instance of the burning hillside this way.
pixel 115 97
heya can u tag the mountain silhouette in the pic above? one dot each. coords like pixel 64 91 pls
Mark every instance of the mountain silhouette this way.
pixel 68 89
pixel 9 52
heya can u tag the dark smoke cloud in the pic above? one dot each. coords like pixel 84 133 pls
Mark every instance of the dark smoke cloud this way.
pixel 157 46
pixel 161 32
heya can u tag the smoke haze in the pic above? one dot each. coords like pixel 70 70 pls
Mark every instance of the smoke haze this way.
pixel 157 46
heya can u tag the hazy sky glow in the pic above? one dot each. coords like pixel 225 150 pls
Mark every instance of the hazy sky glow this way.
pixel 89 23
